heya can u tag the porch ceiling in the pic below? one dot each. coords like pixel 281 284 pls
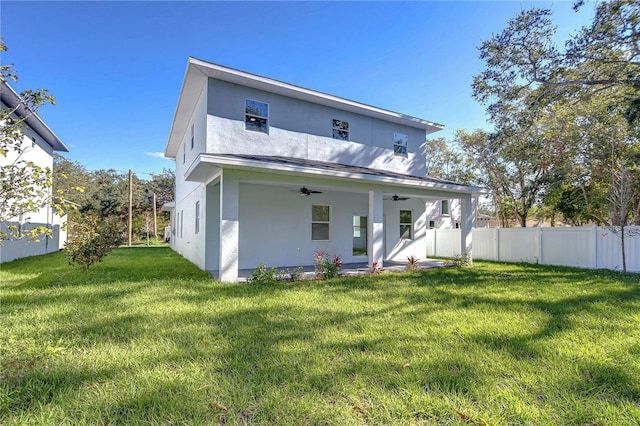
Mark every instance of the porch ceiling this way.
pixel 207 166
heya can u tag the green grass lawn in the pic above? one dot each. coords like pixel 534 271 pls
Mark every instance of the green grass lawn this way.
pixel 146 338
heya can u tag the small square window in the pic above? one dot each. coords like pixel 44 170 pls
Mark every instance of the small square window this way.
pixel 432 224
pixel 400 143
pixel 256 116
pixel 340 129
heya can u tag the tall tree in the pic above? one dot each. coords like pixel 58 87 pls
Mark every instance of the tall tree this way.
pixel 447 163
pixel 602 55
pixel 68 176
pixel 584 98
pixel 106 192
pixel 553 105
pixel 515 167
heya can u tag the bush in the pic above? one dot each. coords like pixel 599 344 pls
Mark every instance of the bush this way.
pixel 460 261
pixel 296 274
pixel 91 239
pixel 263 275
pixel 413 264
pixel 327 267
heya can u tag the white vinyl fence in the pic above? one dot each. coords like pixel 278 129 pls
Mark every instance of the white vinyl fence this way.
pixel 17 249
pixel 583 247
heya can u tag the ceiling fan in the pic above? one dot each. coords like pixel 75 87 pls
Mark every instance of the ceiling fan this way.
pixel 397 198
pixel 304 191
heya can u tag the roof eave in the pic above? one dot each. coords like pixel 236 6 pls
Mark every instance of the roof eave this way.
pixel 192 84
pixel 12 99
pixel 263 166
pixel 244 78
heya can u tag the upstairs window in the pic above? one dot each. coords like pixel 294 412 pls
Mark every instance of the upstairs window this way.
pixel 256 116
pixel 340 130
pixel 400 144
pixel 192 137
pixel 406 224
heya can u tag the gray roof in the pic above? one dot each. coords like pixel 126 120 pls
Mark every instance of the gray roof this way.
pixel 332 167
pixel 11 98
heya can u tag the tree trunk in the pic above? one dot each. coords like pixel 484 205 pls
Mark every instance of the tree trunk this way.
pixel 523 220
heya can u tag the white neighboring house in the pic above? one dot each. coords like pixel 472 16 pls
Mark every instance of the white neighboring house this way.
pixel 39 143
pixel 267 171
pixel 447 214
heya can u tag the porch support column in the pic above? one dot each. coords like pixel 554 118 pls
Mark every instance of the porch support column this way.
pixel 375 242
pixel 466 224
pixel 229 227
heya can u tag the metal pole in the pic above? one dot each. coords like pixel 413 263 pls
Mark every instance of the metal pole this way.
pixel 155 219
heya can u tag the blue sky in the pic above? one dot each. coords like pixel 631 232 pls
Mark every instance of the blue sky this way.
pixel 116 67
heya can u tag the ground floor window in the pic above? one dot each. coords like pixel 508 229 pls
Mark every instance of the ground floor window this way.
pixel 320 223
pixel 406 224
pixel 359 235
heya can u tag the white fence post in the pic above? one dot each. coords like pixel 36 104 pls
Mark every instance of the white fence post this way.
pixel 594 247
pixel 540 253
pixel 435 238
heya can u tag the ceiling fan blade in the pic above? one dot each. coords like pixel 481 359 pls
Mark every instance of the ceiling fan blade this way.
pixel 306 191
pixel 397 198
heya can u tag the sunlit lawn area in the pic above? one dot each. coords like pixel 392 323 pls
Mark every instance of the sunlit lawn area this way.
pixel 146 338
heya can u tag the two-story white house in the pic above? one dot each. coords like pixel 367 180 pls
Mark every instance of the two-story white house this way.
pixel 38 145
pixel 267 171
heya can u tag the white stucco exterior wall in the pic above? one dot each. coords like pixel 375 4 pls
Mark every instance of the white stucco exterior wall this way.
pixel 275 222
pixel 304 130
pixel 184 239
